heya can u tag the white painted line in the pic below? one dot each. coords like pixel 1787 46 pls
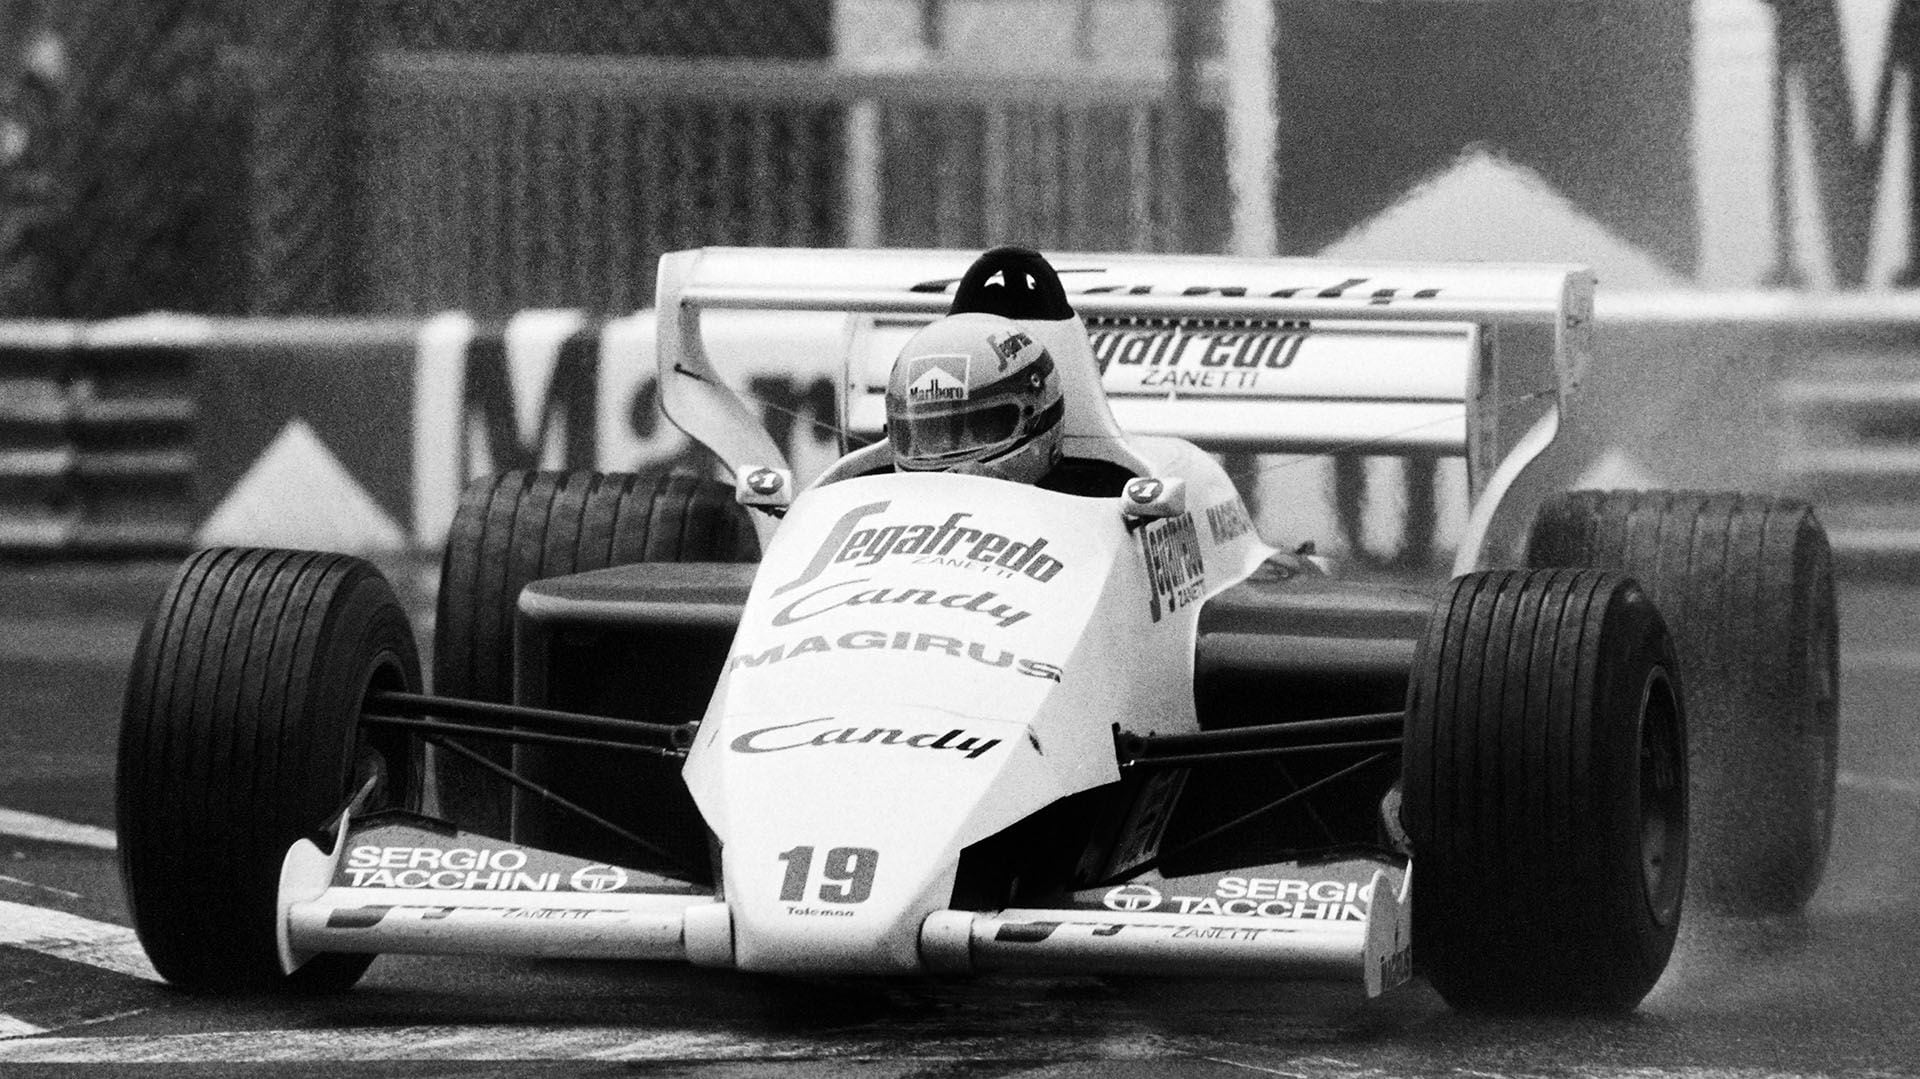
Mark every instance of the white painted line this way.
pixel 1879 784
pixel 11 1027
pixel 1244 1066
pixel 1893 659
pixel 486 1043
pixel 48 888
pixel 362 1045
pixel 71 937
pixel 23 825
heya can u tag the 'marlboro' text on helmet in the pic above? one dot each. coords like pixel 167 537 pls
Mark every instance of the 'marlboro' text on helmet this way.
pixel 975 393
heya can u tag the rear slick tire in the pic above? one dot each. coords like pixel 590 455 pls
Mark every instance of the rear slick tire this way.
pixel 240 735
pixel 519 527
pixel 1746 584
pixel 1545 793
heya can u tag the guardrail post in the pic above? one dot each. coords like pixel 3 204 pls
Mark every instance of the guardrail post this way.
pixel 863 192
pixel 1187 32
pixel 1253 122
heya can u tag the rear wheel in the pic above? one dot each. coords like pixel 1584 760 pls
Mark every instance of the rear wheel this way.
pixel 520 527
pixel 1746 583
pixel 1545 792
pixel 240 735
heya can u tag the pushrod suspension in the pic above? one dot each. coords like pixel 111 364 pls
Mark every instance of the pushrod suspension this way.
pixel 493 716
pixel 1376 730
pixel 441 728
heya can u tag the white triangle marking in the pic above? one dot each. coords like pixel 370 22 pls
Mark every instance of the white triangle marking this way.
pixel 1486 208
pixel 17 1028
pixel 1617 471
pixel 298 494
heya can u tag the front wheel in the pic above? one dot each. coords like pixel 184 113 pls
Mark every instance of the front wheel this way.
pixel 240 735
pixel 1545 792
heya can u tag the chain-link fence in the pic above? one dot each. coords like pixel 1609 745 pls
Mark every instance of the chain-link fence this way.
pixel 506 183
pixel 306 156
pixel 121 157
pixel 511 182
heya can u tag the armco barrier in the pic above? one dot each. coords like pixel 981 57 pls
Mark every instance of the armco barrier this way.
pixel 155 434
pixel 96 450
pixel 1831 383
pixel 158 433
pixel 36 451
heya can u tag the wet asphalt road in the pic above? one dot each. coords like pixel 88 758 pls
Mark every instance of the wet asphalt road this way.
pixel 1834 993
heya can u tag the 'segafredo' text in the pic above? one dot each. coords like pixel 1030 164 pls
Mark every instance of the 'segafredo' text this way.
pixel 951 542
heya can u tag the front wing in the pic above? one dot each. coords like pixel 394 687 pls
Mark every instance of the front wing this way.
pixel 406 884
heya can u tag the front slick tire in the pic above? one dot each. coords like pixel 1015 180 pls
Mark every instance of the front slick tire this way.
pixel 1545 793
pixel 241 735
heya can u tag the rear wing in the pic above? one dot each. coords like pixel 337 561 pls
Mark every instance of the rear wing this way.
pixel 1277 355
pixel 1237 355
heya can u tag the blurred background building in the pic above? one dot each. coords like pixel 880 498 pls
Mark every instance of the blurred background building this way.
pixel 409 156
pixel 405 158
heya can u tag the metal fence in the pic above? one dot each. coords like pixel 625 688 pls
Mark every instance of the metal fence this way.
pixel 404 156
pixel 784 29
pixel 499 182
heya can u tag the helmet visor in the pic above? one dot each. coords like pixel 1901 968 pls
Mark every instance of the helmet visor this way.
pixel 961 431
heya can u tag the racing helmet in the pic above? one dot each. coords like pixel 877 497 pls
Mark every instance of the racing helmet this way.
pixel 975 393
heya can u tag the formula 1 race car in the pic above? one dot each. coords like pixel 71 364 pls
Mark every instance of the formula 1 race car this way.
pixel 879 722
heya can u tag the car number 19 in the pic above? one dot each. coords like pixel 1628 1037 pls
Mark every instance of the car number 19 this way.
pixel 846 874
